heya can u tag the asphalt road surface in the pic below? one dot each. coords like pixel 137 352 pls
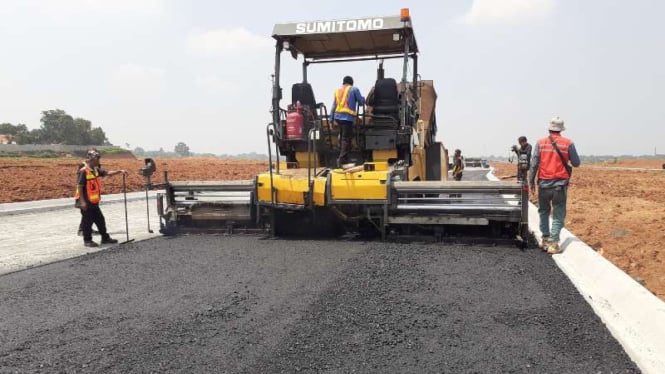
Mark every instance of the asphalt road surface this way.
pixel 471 174
pixel 252 305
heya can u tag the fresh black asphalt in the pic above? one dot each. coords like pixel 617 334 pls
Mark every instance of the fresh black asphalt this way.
pixel 248 304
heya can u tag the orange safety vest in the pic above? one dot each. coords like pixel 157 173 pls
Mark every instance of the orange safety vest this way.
pixel 550 166
pixel 93 186
pixel 342 99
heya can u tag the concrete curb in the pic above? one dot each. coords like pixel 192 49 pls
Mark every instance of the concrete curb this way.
pixel 9 209
pixel 632 314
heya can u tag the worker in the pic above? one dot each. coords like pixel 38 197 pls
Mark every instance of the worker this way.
pixel 77 201
pixel 458 165
pixel 345 104
pixel 81 164
pixel 552 157
pixel 88 193
pixel 524 149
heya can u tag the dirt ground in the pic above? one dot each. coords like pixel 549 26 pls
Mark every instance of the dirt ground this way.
pixel 621 214
pixel 647 164
pixel 27 179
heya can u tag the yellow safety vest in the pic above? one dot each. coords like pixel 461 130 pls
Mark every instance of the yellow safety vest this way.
pixel 342 99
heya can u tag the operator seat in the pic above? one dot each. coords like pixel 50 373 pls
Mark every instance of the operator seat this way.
pixel 303 92
pixel 385 100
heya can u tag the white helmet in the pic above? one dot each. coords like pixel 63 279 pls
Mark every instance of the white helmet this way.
pixel 556 124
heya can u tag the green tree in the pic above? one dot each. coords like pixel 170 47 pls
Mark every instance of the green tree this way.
pixel 139 151
pixel 83 132
pixel 7 129
pixel 25 136
pixel 19 133
pixel 31 137
pixel 98 137
pixel 58 127
pixel 181 149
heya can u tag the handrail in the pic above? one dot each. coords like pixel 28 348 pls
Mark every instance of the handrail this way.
pixel 269 133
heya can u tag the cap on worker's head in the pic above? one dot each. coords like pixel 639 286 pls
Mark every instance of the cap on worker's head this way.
pixel 556 124
pixel 348 80
pixel 458 151
pixel 93 155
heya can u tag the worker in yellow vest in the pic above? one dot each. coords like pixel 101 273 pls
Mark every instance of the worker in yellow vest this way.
pixel 345 106
pixel 458 165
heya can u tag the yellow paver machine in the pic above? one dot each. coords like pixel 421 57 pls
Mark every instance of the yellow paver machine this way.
pixel 396 184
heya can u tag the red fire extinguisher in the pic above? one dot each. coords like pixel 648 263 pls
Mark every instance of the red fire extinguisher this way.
pixel 295 122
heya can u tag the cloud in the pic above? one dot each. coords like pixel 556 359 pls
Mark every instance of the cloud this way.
pixel 492 12
pixel 137 82
pixel 212 83
pixel 77 7
pixel 223 42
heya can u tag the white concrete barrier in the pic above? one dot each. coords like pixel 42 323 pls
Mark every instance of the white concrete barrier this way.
pixel 36 206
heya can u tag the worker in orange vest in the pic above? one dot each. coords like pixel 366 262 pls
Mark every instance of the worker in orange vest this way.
pixel 345 104
pixel 89 194
pixel 77 200
pixel 551 162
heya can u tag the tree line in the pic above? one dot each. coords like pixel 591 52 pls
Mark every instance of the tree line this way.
pixel 57 127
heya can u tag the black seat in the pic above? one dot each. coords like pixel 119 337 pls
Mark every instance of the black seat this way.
pixel 385 99
pixel 303 92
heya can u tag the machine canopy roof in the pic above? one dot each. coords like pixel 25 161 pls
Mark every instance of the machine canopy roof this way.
pixel 375 36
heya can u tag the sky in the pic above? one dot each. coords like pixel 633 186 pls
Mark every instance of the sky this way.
pixel 153 73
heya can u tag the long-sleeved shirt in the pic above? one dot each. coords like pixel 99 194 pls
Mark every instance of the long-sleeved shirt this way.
pixel 549 183
pixel 354 99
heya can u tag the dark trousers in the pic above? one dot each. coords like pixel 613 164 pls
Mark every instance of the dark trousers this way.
pixel 345 141
pixel 81 224
pixel 93 215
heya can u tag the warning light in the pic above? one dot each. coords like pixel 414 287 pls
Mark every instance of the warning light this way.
pixel 404 14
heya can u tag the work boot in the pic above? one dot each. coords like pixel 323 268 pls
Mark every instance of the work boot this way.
pixel 553 248
pixel 90 244
pixel 545 243
pixel 108 240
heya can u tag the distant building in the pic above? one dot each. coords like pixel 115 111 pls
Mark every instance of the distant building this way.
pixel 6 139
